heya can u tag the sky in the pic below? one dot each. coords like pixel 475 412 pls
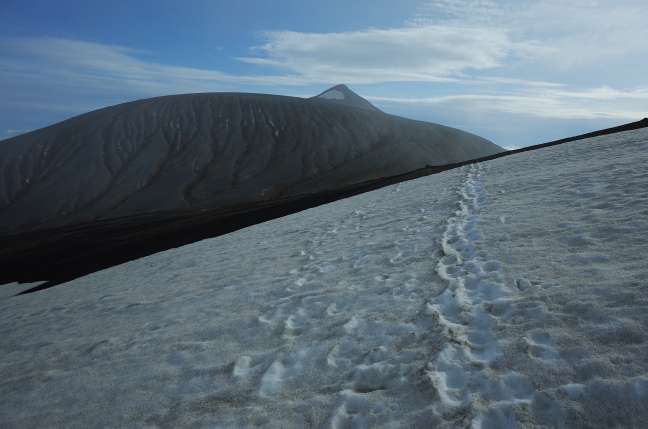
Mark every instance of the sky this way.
pixel 517 72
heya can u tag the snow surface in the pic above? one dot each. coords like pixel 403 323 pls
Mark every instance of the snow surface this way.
pixel 508 294
pixel 333 94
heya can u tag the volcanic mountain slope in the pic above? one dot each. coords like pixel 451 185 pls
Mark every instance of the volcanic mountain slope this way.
pixel 211 150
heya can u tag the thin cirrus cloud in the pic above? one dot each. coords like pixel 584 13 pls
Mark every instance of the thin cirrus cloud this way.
pixel 596 103
pixel 66 62
pixel 430 53
pixel 573 34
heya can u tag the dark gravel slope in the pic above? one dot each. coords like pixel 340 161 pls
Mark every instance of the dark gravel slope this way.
pixel 213 150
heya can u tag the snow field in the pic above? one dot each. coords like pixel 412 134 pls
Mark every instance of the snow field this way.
pixel 507 294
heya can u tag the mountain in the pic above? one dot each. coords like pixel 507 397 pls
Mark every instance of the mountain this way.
pixel 211 151
pixel 342 95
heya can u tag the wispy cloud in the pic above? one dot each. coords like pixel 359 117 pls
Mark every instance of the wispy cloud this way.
pixel 90 68
pixel 574 34
pixel 595 103
pixel 431 53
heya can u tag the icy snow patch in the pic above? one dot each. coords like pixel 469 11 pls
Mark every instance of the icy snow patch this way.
pixel 333 94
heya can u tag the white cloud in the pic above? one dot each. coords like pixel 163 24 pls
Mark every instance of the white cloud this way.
pixel 575 33
pixel 595 103
pixel 580 59
pixel 430 53
pixel 510 82
pixel 98 67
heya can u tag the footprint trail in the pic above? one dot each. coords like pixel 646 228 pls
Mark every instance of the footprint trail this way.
pixel 471 310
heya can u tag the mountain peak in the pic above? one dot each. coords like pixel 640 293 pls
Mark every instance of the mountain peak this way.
pixel 341 94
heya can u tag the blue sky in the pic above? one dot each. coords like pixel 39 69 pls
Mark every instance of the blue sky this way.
pixel 517 72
